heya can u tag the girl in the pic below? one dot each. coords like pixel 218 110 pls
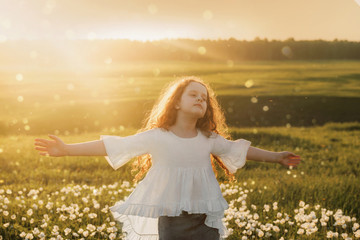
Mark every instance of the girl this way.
pixel 184 136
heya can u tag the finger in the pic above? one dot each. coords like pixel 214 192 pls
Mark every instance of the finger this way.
pixel 45 141
pixel 295 163
pixel 41 149
pixel 54 137
pixel 44 154
pixel 40 144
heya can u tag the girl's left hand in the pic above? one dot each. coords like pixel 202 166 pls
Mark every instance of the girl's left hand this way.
pixel 288 159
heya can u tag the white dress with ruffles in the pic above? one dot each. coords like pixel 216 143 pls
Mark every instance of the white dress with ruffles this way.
pixel 181 178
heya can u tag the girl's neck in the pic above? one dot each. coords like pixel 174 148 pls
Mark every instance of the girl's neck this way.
pixel 184 129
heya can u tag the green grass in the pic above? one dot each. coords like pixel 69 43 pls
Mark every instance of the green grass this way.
pixel 84 104
pixel 104 96
pixel 328 176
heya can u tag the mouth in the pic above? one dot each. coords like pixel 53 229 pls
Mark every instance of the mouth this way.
pixel 198 105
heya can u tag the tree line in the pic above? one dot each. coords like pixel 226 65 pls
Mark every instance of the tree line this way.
pixel 178 49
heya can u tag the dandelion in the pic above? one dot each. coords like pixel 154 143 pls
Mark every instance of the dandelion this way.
pixel 67 231
pixel 29 236
pixel 355 227
pixel 36 231
pixel 357 234
pixel 266 208
pixel 90 227
pixel 86 233
pixel 92 215
pixel 112 236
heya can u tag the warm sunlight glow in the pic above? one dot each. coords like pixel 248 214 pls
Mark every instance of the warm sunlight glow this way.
pixel 358 2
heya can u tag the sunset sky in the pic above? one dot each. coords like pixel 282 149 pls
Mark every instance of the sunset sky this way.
pixel 156 19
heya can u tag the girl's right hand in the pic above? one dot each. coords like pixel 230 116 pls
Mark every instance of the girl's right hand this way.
pixel 56 148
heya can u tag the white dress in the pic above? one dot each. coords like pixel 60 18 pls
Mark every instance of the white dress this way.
pixel 180 178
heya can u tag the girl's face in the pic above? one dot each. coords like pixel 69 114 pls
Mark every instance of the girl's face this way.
pixel 193 100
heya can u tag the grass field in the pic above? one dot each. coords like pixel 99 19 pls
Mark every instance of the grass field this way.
pixel 42 100
pixel 69 197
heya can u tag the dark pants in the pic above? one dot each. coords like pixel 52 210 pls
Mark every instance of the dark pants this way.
pixel 186 227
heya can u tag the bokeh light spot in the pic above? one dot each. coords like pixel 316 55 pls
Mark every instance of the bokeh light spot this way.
pixel 25 121
pixel 152 9
pixel 202 50
pixel 230 63
pixel 49 7
pixel 156 72
pixel 27 128
pixel 70 87
pixel 131 80
pixel 249 83
pixel 19 77
pixel 33 54
pixel 287 52
pixel 208 15
pixel 137 90
pixel 108 60
pixel 288 125
pixel 20 98
pixel 254 100
pixel 3 38
pixel 1 150
pixel 57 97
pixel 265 108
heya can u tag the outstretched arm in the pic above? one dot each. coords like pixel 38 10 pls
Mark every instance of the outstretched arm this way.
pixel 57 148
pixel 284 158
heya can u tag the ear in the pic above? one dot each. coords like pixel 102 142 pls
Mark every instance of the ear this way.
pixel 177 105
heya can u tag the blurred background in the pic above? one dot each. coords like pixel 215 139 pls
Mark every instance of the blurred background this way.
pixel 71 67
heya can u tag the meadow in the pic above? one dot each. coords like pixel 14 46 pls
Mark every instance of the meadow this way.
pixel 68 197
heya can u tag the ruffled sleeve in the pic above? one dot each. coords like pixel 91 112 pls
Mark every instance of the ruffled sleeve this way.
pixel 121 149
pixel 232 153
